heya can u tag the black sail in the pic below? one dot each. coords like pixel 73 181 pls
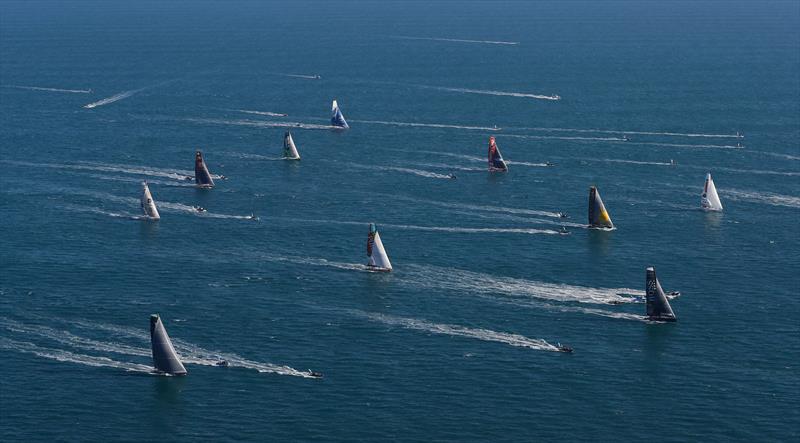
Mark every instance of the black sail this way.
pixel 658 308
pixel 165 359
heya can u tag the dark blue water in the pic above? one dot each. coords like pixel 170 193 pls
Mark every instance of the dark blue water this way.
pixel 456 343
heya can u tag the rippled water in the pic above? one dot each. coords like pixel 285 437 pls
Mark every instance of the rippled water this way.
pixel 457 343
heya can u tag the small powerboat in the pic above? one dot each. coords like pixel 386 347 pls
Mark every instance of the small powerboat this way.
pixel 314 374
pixel 200 209
pixel 563 348
pixel 223 363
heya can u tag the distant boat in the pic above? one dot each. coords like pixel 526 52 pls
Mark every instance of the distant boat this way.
pixel 148 205
pixel 496 162
pixel 165 359
pixel 598 216
pixel 709 200
pixel 201 175
pixel 337 119
pixel 289 149
pixel 378 260
pixel 658 308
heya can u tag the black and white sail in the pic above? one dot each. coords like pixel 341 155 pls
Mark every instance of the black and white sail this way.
pixel 148 205
pixel 165 359
pixel 658 308
pixel 289 148
pixel 201 175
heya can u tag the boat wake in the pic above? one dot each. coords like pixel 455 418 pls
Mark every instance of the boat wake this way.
pixel 41 88
pixel 623 132
pixel 425 125
pixel 259 123
pixel 189 353
pixel 305 76
pixel 113 98
pixel 533 165
pixel 633 162
pixel 71 357
pixel 453 229
pixel 556 137
pixel 456 40
pixel 461 280
pixel 418 172
pixel 518 211
pixel 492 92
pixel 247 156
pixel 269 114
pixel 677 145
pixel 762 197
pixel 174 174
pixel 458 331
pixel 93 210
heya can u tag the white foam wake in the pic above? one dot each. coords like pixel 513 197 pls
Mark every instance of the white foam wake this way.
pixel 486 208
pixel 419 172
pixel 267 113
pixel 762 197
pixel 71 357
pixel 127 169
pixel 493 92
pixel 305 76
pixel 456 40
pixel 113 98
pixel 461 280
pixel 259 123
pixel 677 145
pixel 42 88
pixel 555 137
pixel 425 125
pixel 453 229
pixel 612 131
pixel 633 162
pixel 459 331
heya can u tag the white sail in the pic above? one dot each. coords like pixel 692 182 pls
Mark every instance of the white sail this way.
pixel 148 204
pixel 378 260
pixel 710 199
pixel 289 148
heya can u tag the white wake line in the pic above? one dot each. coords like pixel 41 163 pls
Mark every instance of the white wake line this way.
pixel 150 170
pixel 267 113
pixel 633 162
pixel 113 98
pixel 493 92
pixel 762 197
pixel 127 169
pixel 468 281
pixel 777 154
pixel 453 229
pixel 456 40
pixel 610 131
pixel 71 357
pixel 474 207
pixel 260 124
pixel 419 172
pixel 125 179
pixel 745 171
pixel 425 125
pixel 676 145
pixel 555 137
pixel 101 211
pixel 448 166
pixel 516 218
pixel 450 154
pixel 459 331
pixel 42 88
pixel 191 353
pixel 305 76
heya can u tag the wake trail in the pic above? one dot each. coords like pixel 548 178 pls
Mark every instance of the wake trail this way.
pixel 42 88
pixel 452 229
pixel 493 92
pixel 434 277
pixel 101 211
pixel 486 208
pixel 678 145
pixel 418 172
pixel 456 40
pixel 247 156
pixel 303 76
pixel 259 123
pixel 425 125
pixel 127 169
pixel 519 219
pixel 123 95
pixel 555 137
pixel 625 132
pixel 459 331
pixel 762 197
pixel 633 162
pixel 71 357
pixel 777 154
pixel 267 113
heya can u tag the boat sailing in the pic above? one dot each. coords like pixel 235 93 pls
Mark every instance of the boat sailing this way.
pixel 658 308
pixel 289 148
pixel 598 216
pixel 148 205
pixel 709 200
pixel 378 260
pixel 337 119
pixel 165 359
pixel 496 162
pixel 201 175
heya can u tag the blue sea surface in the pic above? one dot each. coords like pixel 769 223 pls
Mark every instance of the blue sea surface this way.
pixel 458 342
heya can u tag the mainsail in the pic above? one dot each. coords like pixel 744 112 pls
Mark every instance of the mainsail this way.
pixel 378 260
pixel 658 308
pixel 289 149
pixel 337 119
pixel 201 175
pixel 165 359
pixel 496 162
pixel 709 199
pixel 598 216
pixel 148 205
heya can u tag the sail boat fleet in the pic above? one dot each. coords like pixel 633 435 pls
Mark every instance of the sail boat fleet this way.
pixel 658 309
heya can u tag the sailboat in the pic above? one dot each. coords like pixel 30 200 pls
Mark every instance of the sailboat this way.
pixel 165 359
pixel 289 149
pixel 337 119
pixel 148 205
pixel 709 200
pixel 378 260
pixel 496 162
pixel 658 308
pixel 598 216
pixel 201 175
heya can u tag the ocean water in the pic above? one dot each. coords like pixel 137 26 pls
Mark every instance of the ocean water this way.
pixel 457 343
